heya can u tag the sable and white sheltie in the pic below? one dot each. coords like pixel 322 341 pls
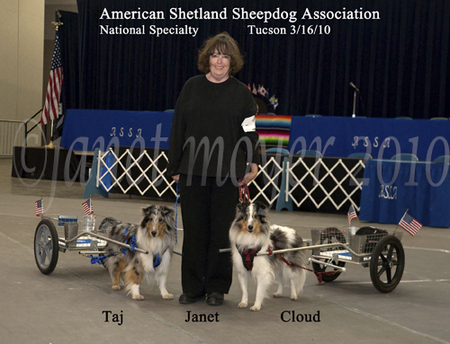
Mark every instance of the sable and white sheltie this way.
pixel 251 233
pixel 155 234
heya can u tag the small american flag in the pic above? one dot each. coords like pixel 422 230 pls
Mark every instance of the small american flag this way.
pixel 55 81
pixel 351 214
pixel 39 207
pixel 87 206
pixel 254 90
pixel 410 224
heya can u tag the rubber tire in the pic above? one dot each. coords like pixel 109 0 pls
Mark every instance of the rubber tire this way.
pixel 46 264
pixel 382 264
pixel 328 278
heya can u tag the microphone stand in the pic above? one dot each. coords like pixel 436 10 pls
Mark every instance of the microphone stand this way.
pixel 354 98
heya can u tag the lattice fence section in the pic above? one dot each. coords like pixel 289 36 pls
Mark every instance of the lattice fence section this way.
pixel 266 186
pixel 325 181
pixel 312 184
pixel 126 172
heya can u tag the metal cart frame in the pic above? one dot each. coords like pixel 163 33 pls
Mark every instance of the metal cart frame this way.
pixel 334 247
pixel 49 239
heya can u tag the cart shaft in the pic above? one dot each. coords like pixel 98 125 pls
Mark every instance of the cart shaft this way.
pixel 103 238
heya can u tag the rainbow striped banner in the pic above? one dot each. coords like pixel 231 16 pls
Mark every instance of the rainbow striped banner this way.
pixel 273 130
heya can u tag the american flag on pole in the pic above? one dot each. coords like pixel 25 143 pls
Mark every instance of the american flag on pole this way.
pixel 410 224
pixel 55 81
pixel 254 90
pixel 351 214
pixel 87 206
pixel 39 207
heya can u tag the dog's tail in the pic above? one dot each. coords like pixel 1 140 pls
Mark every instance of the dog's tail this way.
pixel 287 238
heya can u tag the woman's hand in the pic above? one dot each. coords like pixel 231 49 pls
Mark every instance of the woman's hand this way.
pixel 176 177
pixel 250 175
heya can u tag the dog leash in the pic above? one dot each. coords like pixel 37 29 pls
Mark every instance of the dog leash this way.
pixel 244 192
pixel 292 264
pixel 177 190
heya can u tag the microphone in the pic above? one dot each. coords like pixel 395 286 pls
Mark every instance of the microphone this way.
pixel 353 85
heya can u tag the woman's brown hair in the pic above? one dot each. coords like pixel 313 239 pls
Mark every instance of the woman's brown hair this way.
pixel 225 45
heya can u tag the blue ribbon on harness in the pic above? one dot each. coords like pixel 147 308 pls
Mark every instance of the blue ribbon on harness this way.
pixel 99 259
pixel 131 242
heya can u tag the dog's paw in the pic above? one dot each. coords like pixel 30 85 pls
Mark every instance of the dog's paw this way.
pixel 116 287
pixel 137 297
pixel 167 296
pixel 242 305
pixel 255 308
pixel 294 297
pixel 277 295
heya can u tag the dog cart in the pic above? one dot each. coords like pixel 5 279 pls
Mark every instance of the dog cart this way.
pixel 61 233
pixel 332 248
pixel 381 252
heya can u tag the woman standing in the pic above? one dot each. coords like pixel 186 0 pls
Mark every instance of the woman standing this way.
pixel 213 145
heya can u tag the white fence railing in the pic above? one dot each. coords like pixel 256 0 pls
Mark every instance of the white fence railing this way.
pixel 327 184
pixel 317 183
pixel 11 134
pixel 118 170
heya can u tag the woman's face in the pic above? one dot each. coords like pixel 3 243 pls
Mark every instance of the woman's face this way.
pixel 219 67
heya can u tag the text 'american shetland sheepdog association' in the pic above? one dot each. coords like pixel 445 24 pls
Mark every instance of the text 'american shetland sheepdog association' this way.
pixel 155 234
pixel 251 233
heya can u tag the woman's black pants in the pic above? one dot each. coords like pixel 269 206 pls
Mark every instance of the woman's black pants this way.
pixel 208 209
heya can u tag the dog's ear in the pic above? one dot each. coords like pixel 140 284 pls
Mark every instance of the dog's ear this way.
pixel 165 211
pixel 240 207
pixel 262 209
pixel 169 217
pixel 148 210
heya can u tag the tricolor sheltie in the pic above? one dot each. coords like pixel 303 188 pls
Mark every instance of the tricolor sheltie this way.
pixel 155 234
pixel 251 233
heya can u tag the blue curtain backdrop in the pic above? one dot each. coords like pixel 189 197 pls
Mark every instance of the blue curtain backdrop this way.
pixel 399 63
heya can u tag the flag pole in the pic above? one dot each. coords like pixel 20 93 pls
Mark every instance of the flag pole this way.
pixel 400 220
pixel 357 217
pixel 50 144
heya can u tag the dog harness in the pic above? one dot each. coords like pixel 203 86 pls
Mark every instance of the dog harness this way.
pixel 291 264
pixel 132 242
pixel 156 260
pixel 248 255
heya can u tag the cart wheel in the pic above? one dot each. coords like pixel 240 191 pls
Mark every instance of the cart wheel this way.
pixel 46 246
pixel 387 264
pixel 106 225
pixel 328 276
pixel 328 236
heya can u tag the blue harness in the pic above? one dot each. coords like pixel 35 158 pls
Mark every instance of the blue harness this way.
pixel 132 242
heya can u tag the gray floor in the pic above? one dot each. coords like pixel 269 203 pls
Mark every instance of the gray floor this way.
pixel 69 305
